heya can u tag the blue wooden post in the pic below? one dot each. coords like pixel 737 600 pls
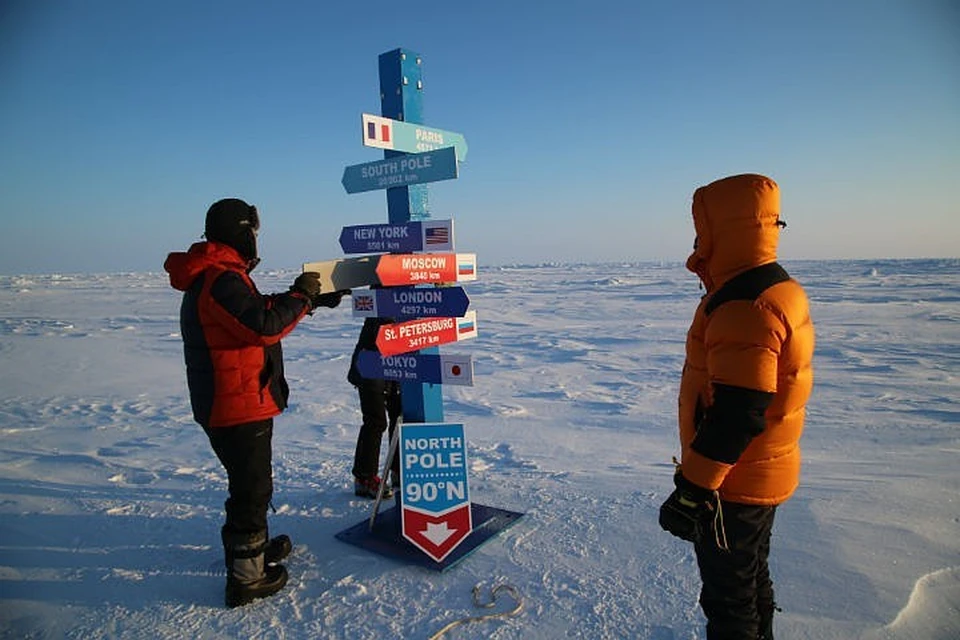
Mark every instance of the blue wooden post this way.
pixel 401 98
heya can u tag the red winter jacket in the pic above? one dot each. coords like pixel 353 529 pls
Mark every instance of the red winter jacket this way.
pixel 231 336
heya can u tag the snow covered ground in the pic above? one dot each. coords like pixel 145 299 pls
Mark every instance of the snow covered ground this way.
pixel 111 501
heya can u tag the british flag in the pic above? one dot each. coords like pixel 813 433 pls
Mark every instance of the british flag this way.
pixel 362 302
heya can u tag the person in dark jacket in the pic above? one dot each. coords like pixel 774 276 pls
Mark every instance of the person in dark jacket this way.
pixel 231 345
pixel 746 380
pixel 380 406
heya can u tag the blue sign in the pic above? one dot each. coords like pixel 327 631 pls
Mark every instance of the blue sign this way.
pixel 416 367
pixel 401 171
pixel 423 235
pixel 433 467
pixel 404 303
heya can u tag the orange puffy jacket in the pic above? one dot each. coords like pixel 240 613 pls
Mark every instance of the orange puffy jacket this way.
pixel 748 371
pixel 231 336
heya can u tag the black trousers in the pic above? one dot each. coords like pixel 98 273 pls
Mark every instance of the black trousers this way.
pixel 737 592
pixel 245 451
pixel 380 405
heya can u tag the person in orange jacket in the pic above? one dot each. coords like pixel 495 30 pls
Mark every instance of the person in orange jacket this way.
pixel 231 346
pixel 746 379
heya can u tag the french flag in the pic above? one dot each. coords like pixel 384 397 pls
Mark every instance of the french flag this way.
pixel 380 134
pixel 377 131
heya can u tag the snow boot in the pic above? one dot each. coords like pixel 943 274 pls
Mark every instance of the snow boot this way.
pixel 277 549
pixel 248 576
pixel 368 488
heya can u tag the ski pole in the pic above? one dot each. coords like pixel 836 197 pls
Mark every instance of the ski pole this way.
pixel 391 450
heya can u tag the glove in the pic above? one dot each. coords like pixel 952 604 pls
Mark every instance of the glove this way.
pixel 689 510
pixel 331 300
pixel 308 284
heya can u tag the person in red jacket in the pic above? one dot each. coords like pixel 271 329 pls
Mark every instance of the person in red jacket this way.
pixel 746 379
pixel 231 346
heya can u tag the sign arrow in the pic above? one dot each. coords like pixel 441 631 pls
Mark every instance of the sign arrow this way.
pixel 384 133
pixel 426 268
pixel 404 303
pixel 429 235
pixel 437 533
pixel 413 335
pixel 421 367
pixel 401 171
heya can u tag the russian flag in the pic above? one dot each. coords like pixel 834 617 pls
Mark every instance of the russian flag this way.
pixel 466 326
pixel 465 268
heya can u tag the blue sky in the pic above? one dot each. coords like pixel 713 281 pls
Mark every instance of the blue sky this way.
pixel 589 124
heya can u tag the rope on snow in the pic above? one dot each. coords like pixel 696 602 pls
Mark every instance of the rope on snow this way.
pixel 514 593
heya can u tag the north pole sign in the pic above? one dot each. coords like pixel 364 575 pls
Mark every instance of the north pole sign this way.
pixel 435 501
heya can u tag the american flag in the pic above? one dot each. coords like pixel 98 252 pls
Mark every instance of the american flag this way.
pixel 437 235
pixel 363 302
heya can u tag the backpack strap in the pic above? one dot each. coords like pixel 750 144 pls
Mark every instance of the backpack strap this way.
pixel 747 285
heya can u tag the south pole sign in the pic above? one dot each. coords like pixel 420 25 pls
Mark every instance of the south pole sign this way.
pixel 435 501
pixel 402 171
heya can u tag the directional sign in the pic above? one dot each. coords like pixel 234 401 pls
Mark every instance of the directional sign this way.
pixel 423 235
pixel 404 337
pixel 435 502
pixel 407 302
pixel 426 268
pixel 401 171
pixel 384 133
pixel 422 368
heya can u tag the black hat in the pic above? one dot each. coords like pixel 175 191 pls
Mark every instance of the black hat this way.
pixel 235 223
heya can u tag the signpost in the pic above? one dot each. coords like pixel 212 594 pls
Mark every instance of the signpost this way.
pixel 424 368
pixel 409 302
pixel 435 501
pixel 404 337
pixel 423 235
pixel 385 133
pixel 434 523
pixel 413 168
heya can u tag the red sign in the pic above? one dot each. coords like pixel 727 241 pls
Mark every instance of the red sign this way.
pixel 404 337
pixel 426 268
pixel 437 535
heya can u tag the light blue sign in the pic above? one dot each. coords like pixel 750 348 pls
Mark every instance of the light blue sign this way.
pixel 385 133
pixel 401 171
pixel 433 467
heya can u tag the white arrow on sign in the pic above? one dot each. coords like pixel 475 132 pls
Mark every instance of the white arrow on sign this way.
pixel 438 533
